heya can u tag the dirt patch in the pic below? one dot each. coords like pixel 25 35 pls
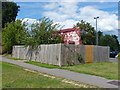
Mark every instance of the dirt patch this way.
pixel 40 73
pixel 74 83
pixel 29 70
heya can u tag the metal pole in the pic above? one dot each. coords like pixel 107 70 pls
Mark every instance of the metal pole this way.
pixel 96 33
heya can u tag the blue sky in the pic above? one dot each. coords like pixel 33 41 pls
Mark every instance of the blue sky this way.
pixel 35 9
pixel 69 13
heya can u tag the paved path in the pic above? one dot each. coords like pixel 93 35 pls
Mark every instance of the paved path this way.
pixel 89 79
pixel 113 60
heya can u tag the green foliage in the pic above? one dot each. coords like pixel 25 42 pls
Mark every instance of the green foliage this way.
pixel 117 42
pixel 108 40
pixel 79 58
pixel 9 12
pixel 42 32
pixel 15 58
pixel 100 34
pixel 14 33
pixel 88 36
pixel 69 62
pixel 87 33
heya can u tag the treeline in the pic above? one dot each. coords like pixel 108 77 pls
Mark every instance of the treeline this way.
pixel 16 33
pixel 88 36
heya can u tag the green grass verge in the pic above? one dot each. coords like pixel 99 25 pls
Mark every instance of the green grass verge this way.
pixel 16 77
pixel 107 70
pixel 41 64
pixel 15 58
pixel 119 56
pixel 0 75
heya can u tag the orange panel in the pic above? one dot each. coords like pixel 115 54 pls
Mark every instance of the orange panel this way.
pixel 89 53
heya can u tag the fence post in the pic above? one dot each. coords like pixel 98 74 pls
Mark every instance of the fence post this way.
pixel 74 54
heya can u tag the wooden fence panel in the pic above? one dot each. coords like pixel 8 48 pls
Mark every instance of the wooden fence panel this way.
pixel 100 53
pixel 60 54
pixel 89 53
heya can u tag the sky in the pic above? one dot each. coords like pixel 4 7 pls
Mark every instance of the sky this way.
pixel 68 13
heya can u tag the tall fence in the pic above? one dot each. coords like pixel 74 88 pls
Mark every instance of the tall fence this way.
pixel 89 53
pixel 49 54
pixel 60 54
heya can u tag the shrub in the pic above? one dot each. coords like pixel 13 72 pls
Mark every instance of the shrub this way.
pixel 14 33
pixel 80 59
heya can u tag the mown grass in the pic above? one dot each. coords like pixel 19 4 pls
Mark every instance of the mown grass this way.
pixel 119 56
pixel 16 77
pixel 15 58
pixel 107 70
pixel 0 75
pixel 41 64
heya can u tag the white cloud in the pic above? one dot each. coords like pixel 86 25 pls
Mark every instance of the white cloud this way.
pixel 102 1
pixel 119 24
pixel 51 6
pixel 61 11
pixel 67 7
pixel 66 14
pixel 55 16
pixel 29 20
pixel 106 21
pixel 68 23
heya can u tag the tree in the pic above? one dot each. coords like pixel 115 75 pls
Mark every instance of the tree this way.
pixel 9 12
pixel 116 39
pixel 100 34
pixel 14 33
pixel 88 34
pixel 42 32
pixel 108 40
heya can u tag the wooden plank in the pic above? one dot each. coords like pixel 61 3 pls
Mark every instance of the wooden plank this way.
pixel 89 53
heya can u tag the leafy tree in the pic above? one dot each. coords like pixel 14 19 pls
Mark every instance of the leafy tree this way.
pixel 108 40
pixel 88 34
pixel 100 34
pixel 43 32
pixel 9 12
pixel 14 33
pixel 116 39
